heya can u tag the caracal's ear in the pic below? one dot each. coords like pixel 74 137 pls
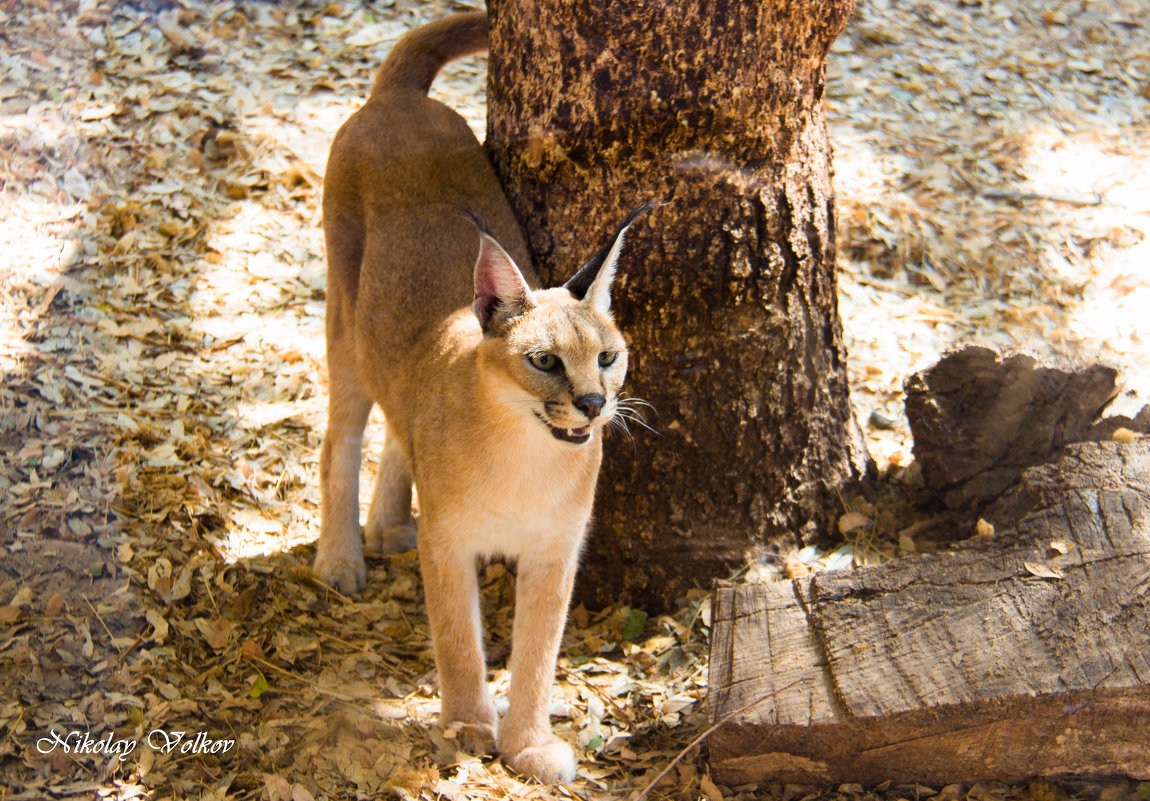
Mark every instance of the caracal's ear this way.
pixel 592 284
pixel 501 294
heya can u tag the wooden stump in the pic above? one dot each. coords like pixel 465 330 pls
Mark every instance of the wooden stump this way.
pixel 1025 652
pixel 979 419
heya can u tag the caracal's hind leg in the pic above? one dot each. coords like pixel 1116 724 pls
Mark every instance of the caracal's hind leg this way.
pixel 390 527
pixel 339 553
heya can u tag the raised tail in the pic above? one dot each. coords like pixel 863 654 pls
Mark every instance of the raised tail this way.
pixel 417 58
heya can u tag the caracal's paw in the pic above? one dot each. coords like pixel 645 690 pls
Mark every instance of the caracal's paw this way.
pixel 344 574
pixel 550 763
pixel 472 724
pixel 392 539
pixel 473 738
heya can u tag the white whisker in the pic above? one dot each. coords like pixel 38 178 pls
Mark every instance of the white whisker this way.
pixel 635 414
pixel 619 424
pixel 627 415
pixel 639 401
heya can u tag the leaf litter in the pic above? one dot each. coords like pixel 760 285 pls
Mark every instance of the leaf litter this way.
pixel 161 336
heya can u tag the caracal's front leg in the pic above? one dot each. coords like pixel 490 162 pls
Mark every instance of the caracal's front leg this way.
pixel 452 591
pixel 543 592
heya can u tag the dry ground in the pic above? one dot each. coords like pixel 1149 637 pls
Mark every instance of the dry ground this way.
pixel 161 374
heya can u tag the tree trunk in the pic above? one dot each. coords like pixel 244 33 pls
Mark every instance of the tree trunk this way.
pixel 727 294
pixel 1020 654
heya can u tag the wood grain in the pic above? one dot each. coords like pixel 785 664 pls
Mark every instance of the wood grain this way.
pixel 962 665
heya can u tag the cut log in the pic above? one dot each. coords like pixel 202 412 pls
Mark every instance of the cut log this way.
pixel 979 419
pixel 1013 655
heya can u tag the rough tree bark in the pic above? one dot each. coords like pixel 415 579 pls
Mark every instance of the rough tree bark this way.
pixel 727 294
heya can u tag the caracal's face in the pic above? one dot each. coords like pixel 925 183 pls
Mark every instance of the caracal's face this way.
pixel 562 363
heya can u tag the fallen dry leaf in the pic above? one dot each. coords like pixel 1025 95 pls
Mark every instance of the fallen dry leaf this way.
pixel 1124 435
pixel 851 521
pixel 56 605
pixel 1043 570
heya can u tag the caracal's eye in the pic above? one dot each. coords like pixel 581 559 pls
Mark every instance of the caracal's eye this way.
pixel 543 361
pixel 607 358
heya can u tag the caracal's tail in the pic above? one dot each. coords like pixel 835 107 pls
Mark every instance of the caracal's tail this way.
pixel 417 58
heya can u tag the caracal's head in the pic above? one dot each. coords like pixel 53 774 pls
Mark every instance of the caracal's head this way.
pixel 554 356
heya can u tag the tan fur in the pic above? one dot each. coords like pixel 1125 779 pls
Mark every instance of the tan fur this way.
pixel 461 402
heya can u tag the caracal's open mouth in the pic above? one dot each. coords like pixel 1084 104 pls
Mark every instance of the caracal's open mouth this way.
pixel 576 436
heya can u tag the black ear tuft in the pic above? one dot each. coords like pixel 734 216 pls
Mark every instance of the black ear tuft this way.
pixel 472 217
pixel 579 283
